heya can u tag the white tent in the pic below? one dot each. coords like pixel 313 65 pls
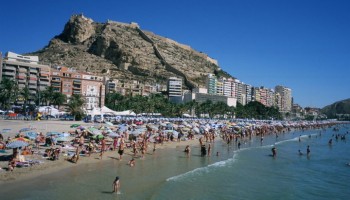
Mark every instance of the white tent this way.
pixel 126 113
pixel 49 110
pixel 106 110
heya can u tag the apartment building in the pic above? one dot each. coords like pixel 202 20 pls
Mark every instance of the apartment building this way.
pixel 68 81
pixel 27 72
pixel 211 84
pixel 285 94
pixel 174 88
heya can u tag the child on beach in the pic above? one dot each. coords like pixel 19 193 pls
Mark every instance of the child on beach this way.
pixel 132 162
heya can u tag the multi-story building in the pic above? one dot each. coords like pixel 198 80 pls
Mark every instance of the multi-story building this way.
pixel 220 87
pixel 69 82
pixel 27 72
pixel 270 98
pixel 174 88
pixel 286 98
pixel 200 95
pixel 212 84
pixel 228 87
pixel 238 86
pixel 248 92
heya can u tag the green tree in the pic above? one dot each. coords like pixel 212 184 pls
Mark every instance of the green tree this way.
pixel 58 99
pixel 25 94
pixel 75 106
pixel 8 93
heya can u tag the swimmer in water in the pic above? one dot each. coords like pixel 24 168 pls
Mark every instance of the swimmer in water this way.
pixel 300 153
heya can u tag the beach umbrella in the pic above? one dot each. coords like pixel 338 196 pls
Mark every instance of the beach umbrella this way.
pixel 53 133
pixel 64 139
pixel 74 125
pixel 6 130
pixel 113 135
pixel 31 135
pixel 18 142
pixel 109 123
pixel 24 129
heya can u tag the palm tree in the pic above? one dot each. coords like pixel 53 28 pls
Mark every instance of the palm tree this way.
pixel 48 95
pixel 75 106
pixel 8 92
pixel 26 96
pixel 58 99
pixel 113 100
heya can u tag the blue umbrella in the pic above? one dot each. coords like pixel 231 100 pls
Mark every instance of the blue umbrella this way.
pixel 16 144
pixel 24 129
pixel 31 135
pixel 6 130
pixel 53 133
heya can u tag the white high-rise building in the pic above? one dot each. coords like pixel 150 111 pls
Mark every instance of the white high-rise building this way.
pixel 174 88
pixel 286 98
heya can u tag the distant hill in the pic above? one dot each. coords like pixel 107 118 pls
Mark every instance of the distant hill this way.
pixel 124 51
pixel 339 107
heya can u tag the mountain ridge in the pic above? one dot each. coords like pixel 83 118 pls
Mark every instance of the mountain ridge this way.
pixel 339 107
pixel 124 51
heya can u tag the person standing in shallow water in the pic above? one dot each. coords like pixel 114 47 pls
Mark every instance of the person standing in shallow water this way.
pixel 308 150
pixel 116 184
pixel 274 152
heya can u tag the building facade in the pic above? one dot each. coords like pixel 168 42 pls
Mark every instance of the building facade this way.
pixel 27 72
pixel 285 94
pixel 174 88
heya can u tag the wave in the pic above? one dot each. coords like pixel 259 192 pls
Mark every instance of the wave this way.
pixel 203 170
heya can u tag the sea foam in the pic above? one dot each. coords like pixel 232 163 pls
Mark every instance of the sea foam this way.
pixel 203 170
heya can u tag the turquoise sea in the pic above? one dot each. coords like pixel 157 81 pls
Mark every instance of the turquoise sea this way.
pixel 246 173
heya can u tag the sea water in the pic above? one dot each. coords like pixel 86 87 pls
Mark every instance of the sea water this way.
pixel 246 173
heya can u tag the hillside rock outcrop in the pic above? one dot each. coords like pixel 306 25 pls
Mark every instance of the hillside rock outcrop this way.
pixel 126 52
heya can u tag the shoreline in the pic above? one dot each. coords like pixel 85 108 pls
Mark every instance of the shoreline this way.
pixel 26 173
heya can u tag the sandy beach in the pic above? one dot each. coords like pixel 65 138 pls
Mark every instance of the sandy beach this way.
pixel 47 166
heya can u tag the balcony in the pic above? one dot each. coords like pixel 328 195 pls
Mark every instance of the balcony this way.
pixel 32 91
pixel 22 70
pixel 43 73
pixel 34 82
pixel 9 67
pixel 76 86
pixel 42 88
pixel 55 84
pixel 34 71
pixel 55 80
pixel 32 86
pixel 45 84
pixel 21 81
pixel 7 73
pixel 21 77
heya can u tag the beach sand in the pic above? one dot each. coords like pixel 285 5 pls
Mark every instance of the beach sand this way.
pixel 49 166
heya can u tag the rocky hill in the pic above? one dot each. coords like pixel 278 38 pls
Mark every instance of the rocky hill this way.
pixel 124 51
pixel 339 107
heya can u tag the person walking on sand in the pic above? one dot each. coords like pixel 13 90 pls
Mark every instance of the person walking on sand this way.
pixel 103 147
pixel 116 184
pixel 121 150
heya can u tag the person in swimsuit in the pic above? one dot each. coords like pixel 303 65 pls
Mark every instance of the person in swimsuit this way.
pixel 116 184
pixel 121 150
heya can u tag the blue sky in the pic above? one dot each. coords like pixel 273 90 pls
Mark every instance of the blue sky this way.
pixel 301 44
